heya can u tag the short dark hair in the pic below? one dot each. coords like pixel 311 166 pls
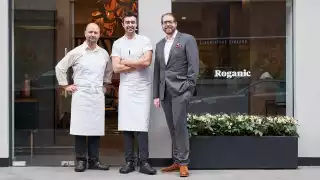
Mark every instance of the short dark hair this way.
pixel 129 14
pixel 168 14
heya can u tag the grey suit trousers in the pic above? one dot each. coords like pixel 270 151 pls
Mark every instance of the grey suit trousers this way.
pixel 175 109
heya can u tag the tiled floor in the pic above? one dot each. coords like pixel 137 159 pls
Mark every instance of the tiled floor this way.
pixel 60 173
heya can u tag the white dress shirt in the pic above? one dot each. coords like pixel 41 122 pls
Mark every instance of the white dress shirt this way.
pixel 168 45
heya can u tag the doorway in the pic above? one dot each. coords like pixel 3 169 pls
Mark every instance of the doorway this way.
pixel 44 31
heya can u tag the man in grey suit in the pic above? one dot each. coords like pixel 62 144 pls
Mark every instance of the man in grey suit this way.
pixel 175 72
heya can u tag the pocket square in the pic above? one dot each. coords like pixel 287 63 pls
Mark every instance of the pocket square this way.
pixel 178 45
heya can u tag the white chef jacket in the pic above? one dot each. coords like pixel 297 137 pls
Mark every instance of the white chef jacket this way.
pixel 90 69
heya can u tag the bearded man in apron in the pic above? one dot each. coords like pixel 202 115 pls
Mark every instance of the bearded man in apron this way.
pixel 92 69
pixel 131 57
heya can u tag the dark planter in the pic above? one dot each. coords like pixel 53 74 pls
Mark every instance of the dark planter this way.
pixel 243 152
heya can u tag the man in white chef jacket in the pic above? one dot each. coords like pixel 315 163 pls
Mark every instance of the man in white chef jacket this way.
pixel 92 70
pixel 131 57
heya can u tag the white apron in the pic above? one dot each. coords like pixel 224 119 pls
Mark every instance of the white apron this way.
pixel 135 88
pixel 87 106
pixel 87 112
pixel 134 105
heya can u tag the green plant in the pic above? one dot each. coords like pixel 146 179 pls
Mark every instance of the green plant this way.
pixel 241 125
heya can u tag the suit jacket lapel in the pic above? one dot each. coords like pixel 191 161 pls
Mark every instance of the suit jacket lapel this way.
pixel 162 57
pixel 176 40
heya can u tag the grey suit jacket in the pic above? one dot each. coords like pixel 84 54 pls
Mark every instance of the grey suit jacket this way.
pixel 180 73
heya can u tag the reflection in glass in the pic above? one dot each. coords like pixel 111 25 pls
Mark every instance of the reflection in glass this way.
pixel 242 55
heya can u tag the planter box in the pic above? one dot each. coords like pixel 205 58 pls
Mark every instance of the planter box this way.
pixel 243 152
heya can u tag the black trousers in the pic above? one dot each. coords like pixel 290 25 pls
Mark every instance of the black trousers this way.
pixel 129 138
pixel 86 150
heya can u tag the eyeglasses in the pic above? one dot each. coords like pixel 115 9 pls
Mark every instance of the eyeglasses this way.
pixel 168 22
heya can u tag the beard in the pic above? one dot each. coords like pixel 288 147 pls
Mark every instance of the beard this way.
pixel 169 30
pixel 92 40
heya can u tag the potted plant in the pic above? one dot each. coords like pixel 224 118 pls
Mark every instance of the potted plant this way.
pixel 235 141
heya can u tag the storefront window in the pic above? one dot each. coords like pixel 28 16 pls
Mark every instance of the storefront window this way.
pixel 44 31
pixel 243 62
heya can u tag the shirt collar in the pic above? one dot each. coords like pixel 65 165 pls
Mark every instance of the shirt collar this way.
pixel 173 36
pixel 134 37
pixel 86 47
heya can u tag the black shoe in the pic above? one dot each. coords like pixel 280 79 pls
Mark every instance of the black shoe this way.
pixel 127 168
pixel 146 168
pixel 96 165
pixel 80 166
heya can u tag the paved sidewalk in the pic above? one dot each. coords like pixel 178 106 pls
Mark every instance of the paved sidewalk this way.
pixel 61 173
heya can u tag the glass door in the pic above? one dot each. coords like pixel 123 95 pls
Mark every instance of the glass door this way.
pixel 42 36
pixel 44 31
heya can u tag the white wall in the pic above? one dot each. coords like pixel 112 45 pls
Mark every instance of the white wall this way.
pixel 289 59
pixel 4 77
pixel 307 79
pixel 150 12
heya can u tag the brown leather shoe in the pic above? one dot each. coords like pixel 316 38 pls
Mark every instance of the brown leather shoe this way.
pixel 184 172
pixel 173 167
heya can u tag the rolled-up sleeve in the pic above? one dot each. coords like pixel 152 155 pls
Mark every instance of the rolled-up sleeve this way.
pixel 108 71
pixel 62 68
